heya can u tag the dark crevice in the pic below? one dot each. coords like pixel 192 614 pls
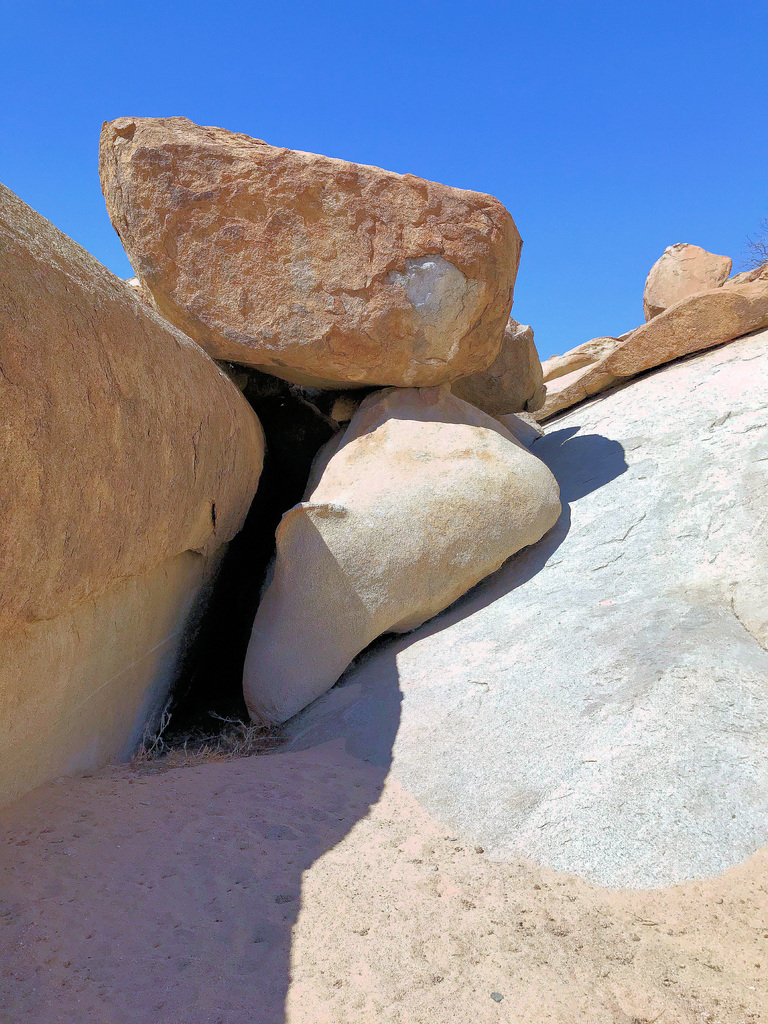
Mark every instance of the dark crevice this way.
pixel 208 698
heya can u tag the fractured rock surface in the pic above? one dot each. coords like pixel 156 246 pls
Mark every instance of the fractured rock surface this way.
pixel 513 382
pixel 317 270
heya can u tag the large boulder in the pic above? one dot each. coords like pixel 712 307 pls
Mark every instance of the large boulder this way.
pixel 682 270
pixel 128 461
pixel 420 498
pixel 697 323
pixel 599 706
pixel 513 382
pixel 317 270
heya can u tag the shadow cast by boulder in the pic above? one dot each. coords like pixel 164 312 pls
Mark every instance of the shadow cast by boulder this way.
pixel 170 895
pixel 159 895
pixel 580 464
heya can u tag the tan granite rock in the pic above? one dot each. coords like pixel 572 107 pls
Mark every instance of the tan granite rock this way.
pixel 577 358
pixel 747 276
pixel 317 270
pixel 693 325
pixel 682 270
pixel 127 462
pixel 420 498
pixel 513 382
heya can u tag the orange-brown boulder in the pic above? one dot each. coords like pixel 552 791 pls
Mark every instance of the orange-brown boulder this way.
pixel 128 461
pixel 682 270
pixel 317 270
pixel 513 382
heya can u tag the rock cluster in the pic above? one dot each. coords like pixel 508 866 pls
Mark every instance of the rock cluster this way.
pixel 131 458
pixel 336 276
pixel 367 360
pixel 690 305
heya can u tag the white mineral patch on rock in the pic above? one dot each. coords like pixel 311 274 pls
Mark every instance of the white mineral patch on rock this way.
pixel 431 284
pixel 443 299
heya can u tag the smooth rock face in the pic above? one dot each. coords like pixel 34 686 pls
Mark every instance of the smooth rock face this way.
pixel 128 461
pixel 421 497
pixel 609 686
pixel 77 691
pixel 697 323
pixel 317 270
pixel 682 270
pixel 513 382
pixel 577 358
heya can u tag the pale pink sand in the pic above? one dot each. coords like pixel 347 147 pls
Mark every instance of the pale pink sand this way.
pixel 264 890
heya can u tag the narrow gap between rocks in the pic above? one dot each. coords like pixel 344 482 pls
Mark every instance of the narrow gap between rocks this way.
pixel 206 711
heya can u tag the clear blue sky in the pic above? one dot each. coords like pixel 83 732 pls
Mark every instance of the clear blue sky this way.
pixel 609 130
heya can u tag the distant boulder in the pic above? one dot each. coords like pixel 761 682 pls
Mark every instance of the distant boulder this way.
pixel 577 358
pixel 681 271
pixel 694 324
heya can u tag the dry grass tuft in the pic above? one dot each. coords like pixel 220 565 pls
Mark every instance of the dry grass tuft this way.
pixel 161 751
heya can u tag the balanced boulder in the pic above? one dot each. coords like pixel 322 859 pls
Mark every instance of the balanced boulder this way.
pixel 513 382
pixel 420 498
pixel 128 460
pixel 682 270
pixel 317 270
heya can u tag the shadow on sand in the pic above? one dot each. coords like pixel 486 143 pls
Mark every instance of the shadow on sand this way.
pixel 170 895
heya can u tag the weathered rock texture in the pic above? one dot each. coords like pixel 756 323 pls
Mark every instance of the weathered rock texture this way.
pixel 747 276
pixel 513 382
pixel 420 498
pixel 577 358
pixel 128 460
pixel 317 270
pixel 599 706
pixel 682 270
pixel 698 322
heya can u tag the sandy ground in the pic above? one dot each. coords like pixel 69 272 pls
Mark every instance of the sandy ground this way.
pixel 280 888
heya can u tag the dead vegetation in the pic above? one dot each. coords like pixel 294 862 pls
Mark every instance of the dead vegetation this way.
pixel 756 248
pixel 227 738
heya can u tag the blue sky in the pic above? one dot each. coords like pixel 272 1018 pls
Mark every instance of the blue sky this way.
pixel 608 130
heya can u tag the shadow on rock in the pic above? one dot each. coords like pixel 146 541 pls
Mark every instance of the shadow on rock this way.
pixel 210 681
pixel 580 464
pixel 352 712
pixel 170 895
